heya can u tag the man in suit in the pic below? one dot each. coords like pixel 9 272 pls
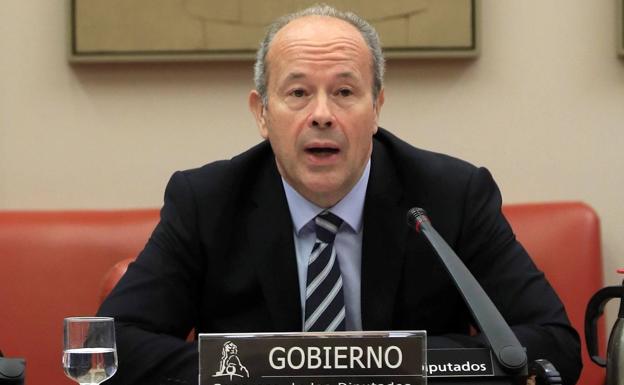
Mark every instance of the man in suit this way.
pixel 237 241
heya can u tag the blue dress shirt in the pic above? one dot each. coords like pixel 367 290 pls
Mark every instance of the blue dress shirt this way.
pixel 348 242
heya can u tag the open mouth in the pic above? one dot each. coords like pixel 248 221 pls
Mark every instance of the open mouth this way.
pixel 322 151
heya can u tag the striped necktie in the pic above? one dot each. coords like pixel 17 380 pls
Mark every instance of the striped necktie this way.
pixel 324 307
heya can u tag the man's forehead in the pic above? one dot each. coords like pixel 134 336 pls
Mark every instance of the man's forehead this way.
pixel 316 31
pixel 317 39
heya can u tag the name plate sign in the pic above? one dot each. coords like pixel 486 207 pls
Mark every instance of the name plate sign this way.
pixel 342 358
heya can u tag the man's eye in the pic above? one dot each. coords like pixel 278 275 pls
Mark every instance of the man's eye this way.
pixel 298 93
pixel 345 92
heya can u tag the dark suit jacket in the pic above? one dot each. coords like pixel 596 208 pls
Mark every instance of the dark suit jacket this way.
pixel 222 260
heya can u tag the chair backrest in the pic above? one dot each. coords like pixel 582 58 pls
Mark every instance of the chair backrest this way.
pixel 564 241
pixel 51 267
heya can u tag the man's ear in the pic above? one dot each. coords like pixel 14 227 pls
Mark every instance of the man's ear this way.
pixel 256 106
pixel 378 104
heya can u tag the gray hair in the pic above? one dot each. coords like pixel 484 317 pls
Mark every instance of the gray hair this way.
pixel 368 33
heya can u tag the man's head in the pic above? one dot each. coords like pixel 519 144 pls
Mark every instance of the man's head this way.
pixel 319 77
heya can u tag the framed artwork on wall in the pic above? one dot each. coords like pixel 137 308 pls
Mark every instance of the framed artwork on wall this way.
pixel 168 30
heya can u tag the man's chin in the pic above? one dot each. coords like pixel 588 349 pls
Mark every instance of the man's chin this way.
pixel 325 193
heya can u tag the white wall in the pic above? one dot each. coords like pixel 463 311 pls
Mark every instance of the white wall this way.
pixel 542 108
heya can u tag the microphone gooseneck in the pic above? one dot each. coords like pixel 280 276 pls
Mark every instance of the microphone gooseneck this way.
pixel 506 347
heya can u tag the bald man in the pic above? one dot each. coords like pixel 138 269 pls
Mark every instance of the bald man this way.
pixel 241 243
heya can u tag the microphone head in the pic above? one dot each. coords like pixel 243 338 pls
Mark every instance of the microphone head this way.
pixel 416 216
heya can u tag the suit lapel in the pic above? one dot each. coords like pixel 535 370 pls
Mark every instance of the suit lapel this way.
pixel 385 240
pixel 269 231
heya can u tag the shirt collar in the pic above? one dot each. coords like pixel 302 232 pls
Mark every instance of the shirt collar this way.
pixel 350 208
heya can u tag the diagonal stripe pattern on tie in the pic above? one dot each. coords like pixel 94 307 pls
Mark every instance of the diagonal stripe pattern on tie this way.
pixel 324 306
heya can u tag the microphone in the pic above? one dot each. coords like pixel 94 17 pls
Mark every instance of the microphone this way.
pixel 506 348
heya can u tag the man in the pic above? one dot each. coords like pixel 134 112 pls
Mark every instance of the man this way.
pixel 238 241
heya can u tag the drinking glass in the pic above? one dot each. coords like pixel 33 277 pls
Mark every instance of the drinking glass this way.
pixel 89 351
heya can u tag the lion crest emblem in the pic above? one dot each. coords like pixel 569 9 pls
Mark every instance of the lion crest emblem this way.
pixel 230 365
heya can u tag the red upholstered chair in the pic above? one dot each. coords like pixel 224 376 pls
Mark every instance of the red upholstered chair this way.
pixel 51 267
pixel 564 241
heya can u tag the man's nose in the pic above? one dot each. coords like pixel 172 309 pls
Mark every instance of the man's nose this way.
pixel 321 116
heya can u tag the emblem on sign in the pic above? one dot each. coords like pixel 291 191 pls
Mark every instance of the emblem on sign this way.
pixel 230 365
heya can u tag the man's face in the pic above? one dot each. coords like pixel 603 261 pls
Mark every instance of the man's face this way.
pixel 320 116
